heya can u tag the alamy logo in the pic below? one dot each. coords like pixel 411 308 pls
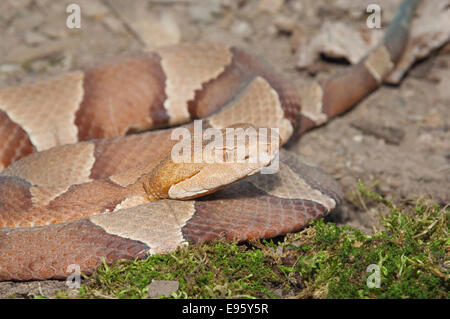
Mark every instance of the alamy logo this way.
pixel 73 20
pixel 73 281
pixel 374 279
pixel 374 20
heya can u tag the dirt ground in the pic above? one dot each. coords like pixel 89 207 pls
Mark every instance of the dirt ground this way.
pixel 399 136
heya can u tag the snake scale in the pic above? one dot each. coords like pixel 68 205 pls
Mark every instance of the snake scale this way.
pixel 76 187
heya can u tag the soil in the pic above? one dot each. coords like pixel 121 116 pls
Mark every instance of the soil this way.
pixel 398 137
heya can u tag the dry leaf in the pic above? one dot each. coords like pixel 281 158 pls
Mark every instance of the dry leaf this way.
pixel 430 30
pixel 338 40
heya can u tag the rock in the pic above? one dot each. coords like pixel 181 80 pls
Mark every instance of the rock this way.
pixel 429 31
pixel 154 29
pixel 285 24
pixel 158 288
pixel 279 251
pixel 20 4
pixel 270 6
pixel 278 292
pixel 206 11
pixel 241 29
pixel 9 68
pixel 391 135
pixel 425 138
pixel 232 4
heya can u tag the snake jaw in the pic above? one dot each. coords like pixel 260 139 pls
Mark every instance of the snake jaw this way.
pixel 211 179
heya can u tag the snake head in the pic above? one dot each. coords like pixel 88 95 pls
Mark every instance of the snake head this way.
pixel 212 163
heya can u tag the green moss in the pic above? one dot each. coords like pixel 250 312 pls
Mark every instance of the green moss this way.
pixel 411 254
pixel 213 271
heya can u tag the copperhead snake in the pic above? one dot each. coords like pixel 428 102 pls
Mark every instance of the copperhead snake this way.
pixel 76 187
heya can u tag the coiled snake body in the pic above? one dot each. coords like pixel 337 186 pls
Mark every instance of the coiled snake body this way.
pixel 113 196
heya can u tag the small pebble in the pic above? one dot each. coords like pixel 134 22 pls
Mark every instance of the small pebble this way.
pixel 415 117
pixel 241 29
pixel 9 68
pixel 33 38
pixel 285 24
pixel 358 138
pixel 279 250
pixel 113 24
pixel 278 292
pixel 270 6
pixel 205 12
